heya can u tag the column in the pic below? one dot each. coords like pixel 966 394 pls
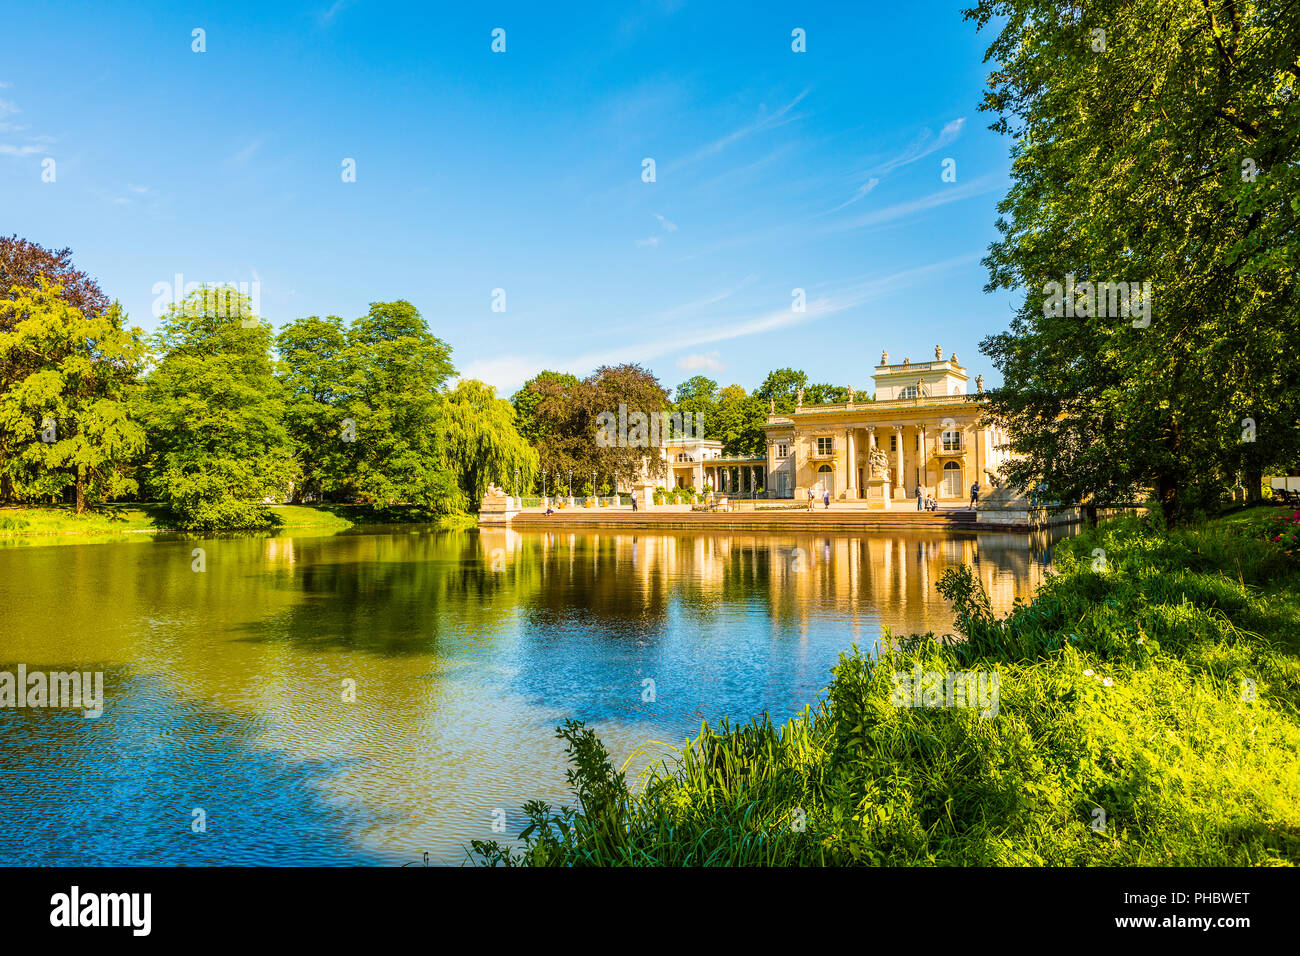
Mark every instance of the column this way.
pixel 851 487
pixel 899 483
pixel 921 461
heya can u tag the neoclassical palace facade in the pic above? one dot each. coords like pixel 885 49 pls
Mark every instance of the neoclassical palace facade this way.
pixel 922 430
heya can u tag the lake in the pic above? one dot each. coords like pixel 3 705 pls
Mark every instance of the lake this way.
pixel 367 697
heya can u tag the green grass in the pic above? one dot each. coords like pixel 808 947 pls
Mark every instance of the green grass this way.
pixel 59 524
pixel 1124 690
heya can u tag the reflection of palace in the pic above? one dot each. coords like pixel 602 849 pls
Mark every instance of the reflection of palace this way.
pixel 876 578
pixel 922 431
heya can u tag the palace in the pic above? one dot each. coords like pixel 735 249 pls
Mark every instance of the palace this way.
pixel 922 430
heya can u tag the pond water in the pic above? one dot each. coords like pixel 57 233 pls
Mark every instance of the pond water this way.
pixel 227 689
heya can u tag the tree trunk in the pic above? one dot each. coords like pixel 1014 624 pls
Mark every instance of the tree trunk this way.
pixel 81 491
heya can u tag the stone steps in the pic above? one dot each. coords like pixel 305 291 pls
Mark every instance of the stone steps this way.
pixel 821 520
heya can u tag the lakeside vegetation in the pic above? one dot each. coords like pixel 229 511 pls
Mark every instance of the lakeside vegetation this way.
pixel 60 524
pixel 1148 714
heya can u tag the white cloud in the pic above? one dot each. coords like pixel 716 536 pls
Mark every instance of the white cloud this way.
pixel 245 154
pixel 718 145
pixel 691 363
pixel 7 149
pixel 669 225
pixel 651 241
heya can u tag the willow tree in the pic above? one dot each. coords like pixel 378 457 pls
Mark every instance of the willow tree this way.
pixel 1154 142
pixel 481 443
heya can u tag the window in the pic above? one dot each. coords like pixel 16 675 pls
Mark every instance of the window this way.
pixel 908 392
pixel 825 445
pixel 951 440
pixel 782 450
pixel 952 480
pixel 893 443
pixel 826 479
pixel 918 441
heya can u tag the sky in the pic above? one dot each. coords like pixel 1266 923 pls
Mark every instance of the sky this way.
pixel 524 171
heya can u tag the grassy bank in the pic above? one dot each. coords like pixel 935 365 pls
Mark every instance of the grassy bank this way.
pixel 1147 713
pixel 61 524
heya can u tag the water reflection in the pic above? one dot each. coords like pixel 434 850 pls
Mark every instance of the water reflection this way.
pixel 228 689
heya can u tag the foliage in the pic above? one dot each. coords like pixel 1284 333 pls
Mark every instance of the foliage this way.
pixel 64 420
pixel 481 443
pixel 1154 141
pixel 214 413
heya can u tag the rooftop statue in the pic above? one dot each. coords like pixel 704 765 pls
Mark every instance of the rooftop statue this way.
pixel 938 354
pixel 798 399
pixel 884 358
pixel 979 384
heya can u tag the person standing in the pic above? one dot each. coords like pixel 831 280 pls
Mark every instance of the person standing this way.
pixel 974 495
pixel 810 499
pixel 826 497
pixel 919 502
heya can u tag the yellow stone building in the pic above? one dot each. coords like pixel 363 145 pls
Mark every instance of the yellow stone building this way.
pixel 922 430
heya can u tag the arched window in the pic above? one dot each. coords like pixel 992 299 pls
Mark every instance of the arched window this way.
pixel 826 479
pixel 908 392
pixel 951 480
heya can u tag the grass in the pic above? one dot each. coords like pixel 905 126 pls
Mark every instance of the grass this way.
pixel 1148 713
pixel 59 524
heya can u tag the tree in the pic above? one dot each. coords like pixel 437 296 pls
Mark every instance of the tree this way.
pixel 698 397
pixel 1156 142
pixel 214 413
pixel 481 443
pixel 22 263
pixel 781 387
pixel 526 400
pixel 617 390
pixel 740 420
pixel 391 396
pixel 312 371
pixel 64 420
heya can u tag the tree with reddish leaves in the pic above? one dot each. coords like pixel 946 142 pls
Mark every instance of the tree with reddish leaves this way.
pixel 21 261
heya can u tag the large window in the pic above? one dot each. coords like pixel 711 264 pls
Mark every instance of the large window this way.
pixel 782 450
pixel 825 445
pixel 826 479
pixel 908 392
pixel 952 480
pixel 893 443
pixel 951 440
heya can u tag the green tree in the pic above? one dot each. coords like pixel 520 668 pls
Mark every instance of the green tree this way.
pixel 782 388
pixel 393 408
pixel 1154 141
pixel 312 371
pixel 740 419
pixel 214 413
pixel 698 397
pixel 545 383
pixel 481 443
pixel 64 419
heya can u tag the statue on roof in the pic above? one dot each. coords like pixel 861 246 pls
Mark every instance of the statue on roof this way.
pixel 906 360
pixel 884 357
pixel 938 354
pixel 771 406
pixel 953 360
pixel 979 384
pixel 852 392
pixel 798 399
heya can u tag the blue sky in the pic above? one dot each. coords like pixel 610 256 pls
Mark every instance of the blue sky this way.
pixel 522 171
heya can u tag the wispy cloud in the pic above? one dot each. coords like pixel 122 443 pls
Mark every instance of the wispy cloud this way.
pixel 244 155
pixel 327 16
pixel 669 226
pixel 771 121
pixel 693 363
pixel 509 371
pixel 651 241
pixel 990 182
pixel 8 149
pixel 865 188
